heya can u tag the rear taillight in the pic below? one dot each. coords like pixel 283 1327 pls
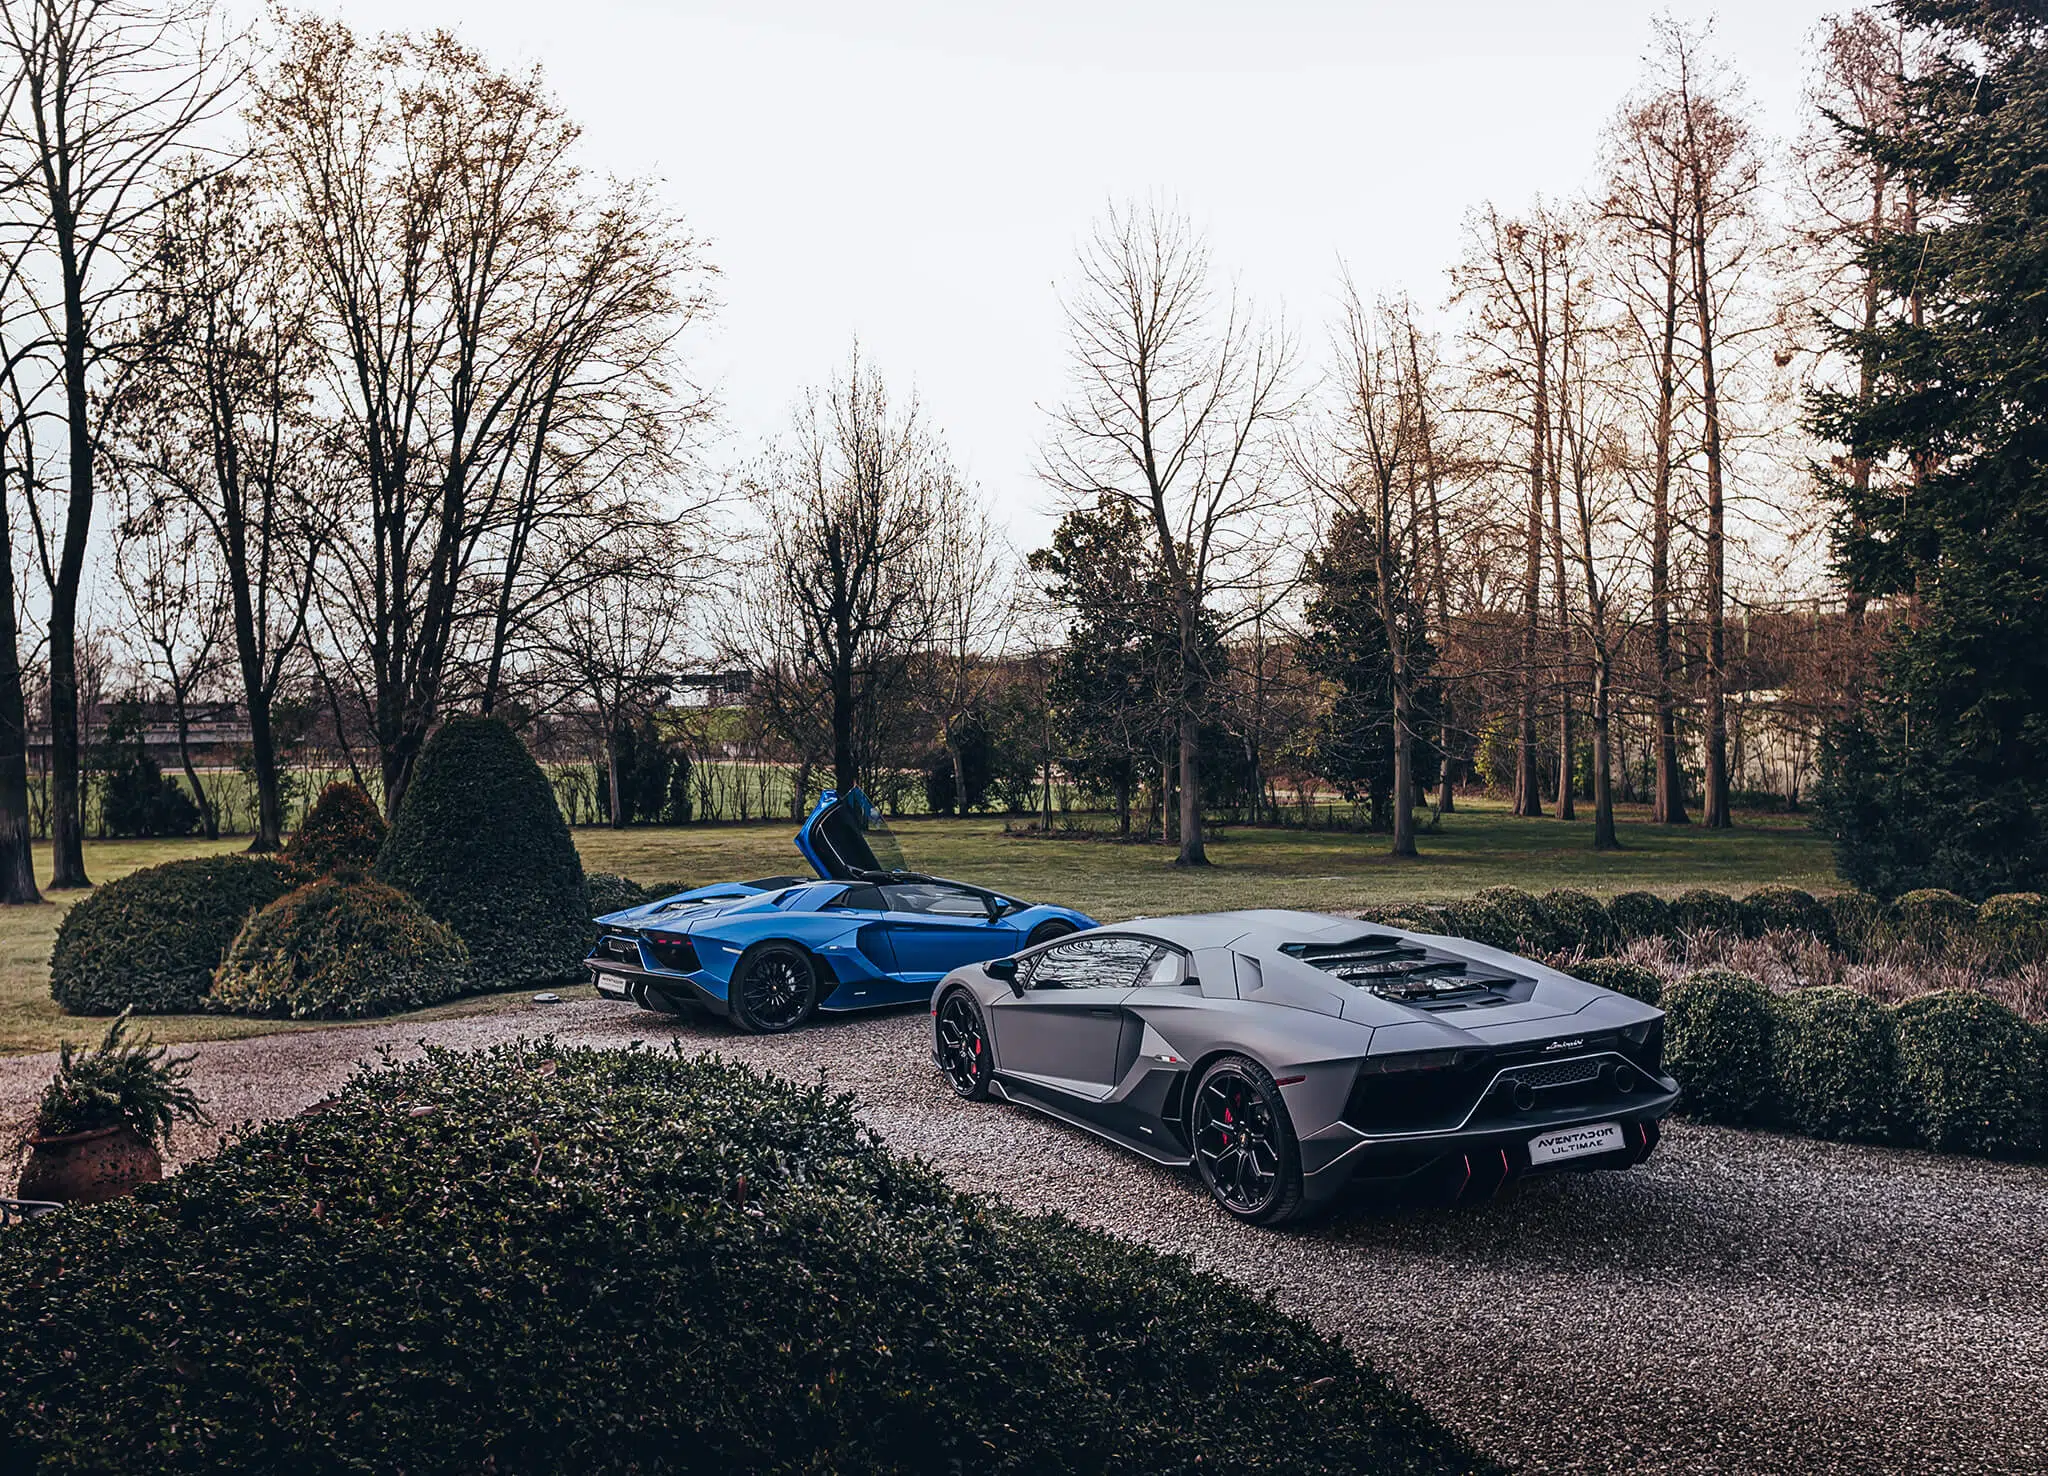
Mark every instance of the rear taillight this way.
pixel 673 951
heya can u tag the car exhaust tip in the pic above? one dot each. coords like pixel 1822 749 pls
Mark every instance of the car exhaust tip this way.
pixel 1525 1097
pixel 1623 1079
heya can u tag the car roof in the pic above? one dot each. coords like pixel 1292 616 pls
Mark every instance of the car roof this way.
pixel 1257 928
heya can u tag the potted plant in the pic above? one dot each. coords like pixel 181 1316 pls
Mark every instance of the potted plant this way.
pixel 103 1118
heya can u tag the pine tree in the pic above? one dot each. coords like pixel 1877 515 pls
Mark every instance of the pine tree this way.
pixel 1940 777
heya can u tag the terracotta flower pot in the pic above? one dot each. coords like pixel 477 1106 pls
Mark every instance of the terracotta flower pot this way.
pixel 88 1167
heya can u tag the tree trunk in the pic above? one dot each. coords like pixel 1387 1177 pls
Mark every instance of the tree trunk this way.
pixel 1191 849
pixel 952 744
pixel 1404 777
pixel 263 759
pixel 1668 802
pixel 1604 837
pixel 209 814
pixel 17 854
pixel 1123 807
pixel 845 772
pixel 1716 799
pixel 1565 809
pixel 1528 784
pixel 617 817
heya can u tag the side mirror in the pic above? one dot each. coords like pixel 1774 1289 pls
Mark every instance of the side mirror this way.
pixel 1006 970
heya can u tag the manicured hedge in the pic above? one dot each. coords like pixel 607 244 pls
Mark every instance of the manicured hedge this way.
pixel 1579 921
pixel 1860 920
pixel 1639 915
pixel 1969 1076
pixel 1701 910
pixel 342 831
pixel 1934 921
pixel 480 841
pixel 1788 909
pixel 2012 929
pixel 340 949
pixel 1637 981
pixel 152 940
pixel 1482 922
pixel 536 1259
pixel 610 892
pixel 1531 924
pixel 1833 1054
pixel 1717 1042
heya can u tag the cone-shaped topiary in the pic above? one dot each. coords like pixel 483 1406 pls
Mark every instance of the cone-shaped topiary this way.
pixel 341 831
pixel 1639 915
pixel 1579 921
pixel 1969 1075
pixel 151 941
pixel 1717 1042
pixel 1703 910
pixel 480 843
pixel 341 948
pixel 1833 1049
pixel 2012 929
pixel 1789 910
pixel 1637 981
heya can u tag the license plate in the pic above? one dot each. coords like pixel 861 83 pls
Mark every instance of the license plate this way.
pixel 1600 1137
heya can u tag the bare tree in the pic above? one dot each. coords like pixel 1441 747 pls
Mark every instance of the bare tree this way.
pixel 846 502
pixel 17 469
pixel 1365 465
pixel 1176 409
pixel 223 425
pixel 969 568
pixel 106 92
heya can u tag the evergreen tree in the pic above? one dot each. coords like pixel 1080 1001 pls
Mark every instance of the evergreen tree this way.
pixel 1346 646
pixel 1939 778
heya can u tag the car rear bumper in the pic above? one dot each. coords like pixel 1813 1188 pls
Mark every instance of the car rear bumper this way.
pixel 1460 1167
pixel 653 989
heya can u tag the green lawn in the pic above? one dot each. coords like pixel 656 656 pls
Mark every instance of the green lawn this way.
pixel 1479 846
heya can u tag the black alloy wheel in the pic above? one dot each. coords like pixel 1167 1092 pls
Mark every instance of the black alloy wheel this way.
pixel 964 1053
pixel 774 988
pixel 1051 928
pixel 1244 1142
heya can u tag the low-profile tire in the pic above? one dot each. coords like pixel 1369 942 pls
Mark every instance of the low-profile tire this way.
pixel 1051 928
pixel 965 1055
pixel 1244 1144
pixel 774 988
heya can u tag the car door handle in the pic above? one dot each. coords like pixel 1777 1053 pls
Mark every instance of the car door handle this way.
pixel 1104 1014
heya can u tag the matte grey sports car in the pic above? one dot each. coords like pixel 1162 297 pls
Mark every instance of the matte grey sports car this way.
pixel 1292 1057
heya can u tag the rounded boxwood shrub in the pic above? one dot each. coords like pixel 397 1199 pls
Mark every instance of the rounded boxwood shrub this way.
pixel 1933 920
pixel 151 941
pixel 1420 917
pixel 1860 921
pixel 1639 915
pixel 1788 909
pixel 1637 981
pixel 480 842
pixel 1717 1042
pixel 2012 928
pixel 1969 1074
pixel 1579 920
pixel 1482 922
pixel 610 892
pixel 341 948
pixel 497 1261
pixel 341 831
pixel 1703 910
pixel 1833 1054
pixel 1529 920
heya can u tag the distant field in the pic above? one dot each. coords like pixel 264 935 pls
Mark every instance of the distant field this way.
pixel 1479 846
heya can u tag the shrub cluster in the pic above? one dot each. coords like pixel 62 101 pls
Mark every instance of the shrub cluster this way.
pixel 342 831
pixel 340 948
pixel 1952 1071
pixel 151 941
pixel 610 892
pixel 480 841
pixel 505 1261
pixel 1637 981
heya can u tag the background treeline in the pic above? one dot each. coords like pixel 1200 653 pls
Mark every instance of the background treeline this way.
pixel 342 393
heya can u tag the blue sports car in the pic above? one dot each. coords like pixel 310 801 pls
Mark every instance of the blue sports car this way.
pixel 860 934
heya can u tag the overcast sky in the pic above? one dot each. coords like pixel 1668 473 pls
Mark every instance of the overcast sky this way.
pixel 919 173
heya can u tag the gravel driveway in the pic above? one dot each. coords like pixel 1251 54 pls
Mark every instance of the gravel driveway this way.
pixel 1743 1303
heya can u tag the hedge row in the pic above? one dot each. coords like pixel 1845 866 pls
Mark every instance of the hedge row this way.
pixel 1952 1071
pixel 536 1259
pixel 482 889
pixel 2005 932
